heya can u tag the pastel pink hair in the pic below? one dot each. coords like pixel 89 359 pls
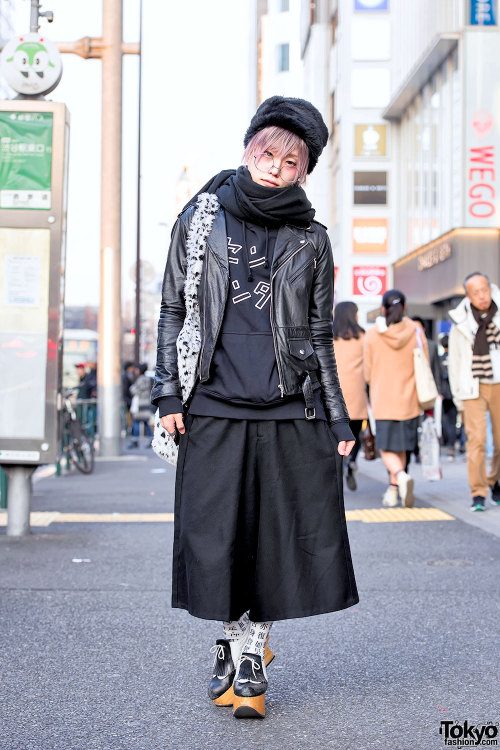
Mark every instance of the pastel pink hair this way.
pixel 281 142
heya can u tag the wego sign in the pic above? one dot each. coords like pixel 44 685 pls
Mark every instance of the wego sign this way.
pixel 481 176
pixel 481 191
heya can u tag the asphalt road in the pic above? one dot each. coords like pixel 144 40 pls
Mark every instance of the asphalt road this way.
pixel 92 657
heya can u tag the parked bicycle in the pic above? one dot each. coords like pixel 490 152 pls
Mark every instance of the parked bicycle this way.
pixel 77 444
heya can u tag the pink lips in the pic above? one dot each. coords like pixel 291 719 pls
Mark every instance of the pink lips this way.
pixel 273 184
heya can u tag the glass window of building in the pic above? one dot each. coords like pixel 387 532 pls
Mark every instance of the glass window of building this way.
pixel 430 165
pixel 283 58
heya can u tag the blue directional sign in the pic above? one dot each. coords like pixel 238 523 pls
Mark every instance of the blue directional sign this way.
pixel 483 12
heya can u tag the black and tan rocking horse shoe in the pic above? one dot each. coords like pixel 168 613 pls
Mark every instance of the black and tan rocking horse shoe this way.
pixel 249 687
pixel 220 690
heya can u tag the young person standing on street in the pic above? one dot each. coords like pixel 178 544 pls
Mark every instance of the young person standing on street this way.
pixel 389 371
pixel 348 339
pixel 260 532
pixel 474 374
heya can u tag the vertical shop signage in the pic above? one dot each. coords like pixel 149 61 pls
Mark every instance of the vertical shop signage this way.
pixel 370 236
pixel 369 281
pixel 370 140
pixel 370 188
pixel 482 130
pixel 483 13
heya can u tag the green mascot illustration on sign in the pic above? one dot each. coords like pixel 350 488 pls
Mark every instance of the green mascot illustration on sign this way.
pixel 31 65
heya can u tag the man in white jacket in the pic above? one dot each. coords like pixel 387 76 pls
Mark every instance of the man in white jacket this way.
pixel 474 375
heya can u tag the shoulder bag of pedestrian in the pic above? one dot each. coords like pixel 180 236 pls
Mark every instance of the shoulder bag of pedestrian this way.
pixel 427 391
pixel 368 438
pixel 134 406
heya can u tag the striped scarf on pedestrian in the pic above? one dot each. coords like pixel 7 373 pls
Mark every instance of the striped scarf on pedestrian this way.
pixel 487 337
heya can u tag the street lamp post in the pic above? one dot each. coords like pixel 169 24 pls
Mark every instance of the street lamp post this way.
pixel 137 341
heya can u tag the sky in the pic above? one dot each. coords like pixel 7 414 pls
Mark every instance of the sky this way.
pixel 196 104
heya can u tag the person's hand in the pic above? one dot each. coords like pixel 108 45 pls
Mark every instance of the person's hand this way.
pixel 171 421
pixel 345 447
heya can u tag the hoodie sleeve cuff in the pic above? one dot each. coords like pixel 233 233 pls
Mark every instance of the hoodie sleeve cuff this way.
pixel 341 431
pixel 169 405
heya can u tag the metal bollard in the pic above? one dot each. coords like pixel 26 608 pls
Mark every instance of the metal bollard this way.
pixel 18 513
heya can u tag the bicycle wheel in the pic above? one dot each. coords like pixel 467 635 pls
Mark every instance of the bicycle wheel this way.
pixel 81 449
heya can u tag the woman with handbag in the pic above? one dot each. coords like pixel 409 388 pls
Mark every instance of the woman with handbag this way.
pixel 390 374
pixel 348 337
pixel 247 383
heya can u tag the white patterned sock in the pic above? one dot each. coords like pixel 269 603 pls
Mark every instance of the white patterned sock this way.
pixel 236 633
pixel 257 637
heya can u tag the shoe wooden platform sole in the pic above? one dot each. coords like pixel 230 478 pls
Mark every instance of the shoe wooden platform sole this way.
pixel 227 698
pixel 249 708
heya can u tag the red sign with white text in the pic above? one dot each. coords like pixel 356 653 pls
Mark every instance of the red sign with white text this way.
pixel 369 281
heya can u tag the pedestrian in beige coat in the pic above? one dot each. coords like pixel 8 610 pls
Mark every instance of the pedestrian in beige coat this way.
pixel 348 337
pixel 474 371
pixel 388 368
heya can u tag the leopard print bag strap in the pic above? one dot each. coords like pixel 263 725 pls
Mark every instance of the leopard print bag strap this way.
pixel 189 338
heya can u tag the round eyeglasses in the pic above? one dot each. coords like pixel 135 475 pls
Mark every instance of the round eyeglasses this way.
pixel 265 163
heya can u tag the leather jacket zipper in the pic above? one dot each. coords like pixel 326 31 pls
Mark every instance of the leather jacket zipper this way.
pixel 301 270
pixel 280 385
pixel 204 320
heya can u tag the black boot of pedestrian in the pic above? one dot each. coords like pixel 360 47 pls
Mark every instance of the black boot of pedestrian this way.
pixel 350 476
pixel 250 685
pixel 220 690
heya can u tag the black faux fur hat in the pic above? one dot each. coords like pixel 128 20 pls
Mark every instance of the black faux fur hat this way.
pixel 296 115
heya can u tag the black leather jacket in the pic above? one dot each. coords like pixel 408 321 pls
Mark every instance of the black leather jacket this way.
pixel 301 310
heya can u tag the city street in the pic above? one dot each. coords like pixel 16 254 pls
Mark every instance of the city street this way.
pixel 94 658
pixel 304 243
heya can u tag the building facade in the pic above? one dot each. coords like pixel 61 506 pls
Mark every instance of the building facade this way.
pixel 347 58
pixel 446 124
pixel 280 65
pixel 411 94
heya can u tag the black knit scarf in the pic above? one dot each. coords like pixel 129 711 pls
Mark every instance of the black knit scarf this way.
pixel 487 336
pixel 267 206
pixel 248 201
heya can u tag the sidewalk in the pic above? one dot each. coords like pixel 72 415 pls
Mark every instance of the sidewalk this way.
pixel 92 657
pixel 451 494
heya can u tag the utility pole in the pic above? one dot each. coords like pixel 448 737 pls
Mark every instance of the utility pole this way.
pixel 109 48
pixel 138 323
pixel 110 327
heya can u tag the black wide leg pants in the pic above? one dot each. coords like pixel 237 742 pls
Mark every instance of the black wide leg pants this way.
pixel 259 520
